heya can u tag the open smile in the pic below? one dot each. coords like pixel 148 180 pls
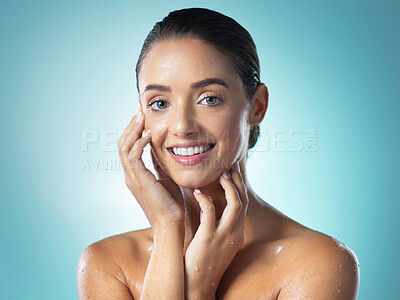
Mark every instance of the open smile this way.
pixel 190 154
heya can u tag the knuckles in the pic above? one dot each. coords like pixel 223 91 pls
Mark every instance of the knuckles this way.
pixel 136 146
pixel 121 144
pixel 236 206
pixel 127 182
pixel 124 141
pixel 208 208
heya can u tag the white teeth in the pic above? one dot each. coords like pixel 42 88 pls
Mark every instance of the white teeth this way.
pixel 190 150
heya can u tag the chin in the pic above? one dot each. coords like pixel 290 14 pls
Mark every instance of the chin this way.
pixel 193 179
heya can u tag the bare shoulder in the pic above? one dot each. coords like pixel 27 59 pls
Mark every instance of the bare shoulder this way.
pixel 108 267
pixel 321 267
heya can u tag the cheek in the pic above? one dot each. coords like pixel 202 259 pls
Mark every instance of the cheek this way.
pixel 158 128
pixel 231 132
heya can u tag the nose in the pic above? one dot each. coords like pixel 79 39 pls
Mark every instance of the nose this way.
pixel 183 122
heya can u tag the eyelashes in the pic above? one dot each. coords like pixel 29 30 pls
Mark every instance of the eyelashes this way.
pixel 155 105
pixel 214 100
pixel 208 100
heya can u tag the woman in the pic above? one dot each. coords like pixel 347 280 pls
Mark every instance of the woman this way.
pixel 211 236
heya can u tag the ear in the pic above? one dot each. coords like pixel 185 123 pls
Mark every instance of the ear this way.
pixel 259 104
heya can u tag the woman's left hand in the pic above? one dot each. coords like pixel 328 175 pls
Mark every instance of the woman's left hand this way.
pixel 215 245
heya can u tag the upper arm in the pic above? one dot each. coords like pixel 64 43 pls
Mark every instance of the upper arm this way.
pixel 99 277
pixel 328 271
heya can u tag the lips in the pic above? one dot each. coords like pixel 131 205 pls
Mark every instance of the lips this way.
pixel 190 153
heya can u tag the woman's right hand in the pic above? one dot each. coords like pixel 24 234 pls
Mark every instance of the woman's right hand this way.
pixel 157 203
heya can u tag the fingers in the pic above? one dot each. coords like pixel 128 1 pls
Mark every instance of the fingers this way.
pixel 135 155
pixel 208 211
pixel 160 172
pixel 234 204
pixel 241 188
pixel 131 133
pixel 131 145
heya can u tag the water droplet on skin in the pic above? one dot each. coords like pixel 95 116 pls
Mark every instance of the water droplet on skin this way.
pixel 339 291
pixel 211 236
pixel 226 260
pixel 232 243
pixel 210 268
pixel 196 268
pixel 192 278
pixel 213 284
pixel 340 266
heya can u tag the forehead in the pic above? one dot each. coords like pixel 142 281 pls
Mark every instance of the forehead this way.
pixel 183 61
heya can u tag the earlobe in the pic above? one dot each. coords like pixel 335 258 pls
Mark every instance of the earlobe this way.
pixel 259 104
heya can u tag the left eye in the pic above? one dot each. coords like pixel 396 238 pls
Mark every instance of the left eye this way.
pixel 210 100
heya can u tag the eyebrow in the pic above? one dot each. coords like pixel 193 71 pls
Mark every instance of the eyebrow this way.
pixel 195 85
pixel 207 82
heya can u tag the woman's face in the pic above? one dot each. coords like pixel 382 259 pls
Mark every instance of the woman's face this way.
pixel 193 102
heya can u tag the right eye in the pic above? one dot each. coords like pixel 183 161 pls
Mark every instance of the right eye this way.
pixel 158 104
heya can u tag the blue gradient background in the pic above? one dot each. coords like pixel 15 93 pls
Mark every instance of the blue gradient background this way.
pixel 68 67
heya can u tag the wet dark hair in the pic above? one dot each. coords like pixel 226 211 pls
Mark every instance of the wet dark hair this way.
pixel 219 31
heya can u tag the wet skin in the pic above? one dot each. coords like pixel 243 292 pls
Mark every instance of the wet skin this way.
pixel 278 258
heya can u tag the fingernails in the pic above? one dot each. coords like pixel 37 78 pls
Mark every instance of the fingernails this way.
pixel 146 133
pixel 225 175
pixel 139 117
pixel 236 166
pixel 197 191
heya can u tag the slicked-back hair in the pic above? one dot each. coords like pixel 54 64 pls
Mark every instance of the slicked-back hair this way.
pixel 215 29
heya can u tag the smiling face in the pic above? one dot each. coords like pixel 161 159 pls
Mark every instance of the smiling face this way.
pixel 196 108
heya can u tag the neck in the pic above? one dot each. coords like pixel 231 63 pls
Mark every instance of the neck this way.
pixel 216 192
